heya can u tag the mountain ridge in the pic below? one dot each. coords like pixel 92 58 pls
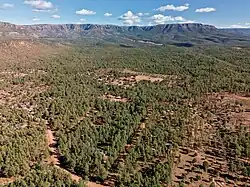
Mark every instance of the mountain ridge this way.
pixel 184 32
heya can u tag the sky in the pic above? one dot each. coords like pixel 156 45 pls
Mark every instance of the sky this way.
pixel 221 13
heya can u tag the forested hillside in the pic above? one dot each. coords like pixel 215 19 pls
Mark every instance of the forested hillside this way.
pixel 149 116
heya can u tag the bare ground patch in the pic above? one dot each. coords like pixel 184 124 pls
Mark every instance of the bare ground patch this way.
pixel 114 98
pixel 4 181
pixel 220 113
pixel 128 78
pixel 194 168
pixel 242 116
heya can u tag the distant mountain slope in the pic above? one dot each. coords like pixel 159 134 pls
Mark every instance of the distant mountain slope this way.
pixel 160 34
pixel 238 31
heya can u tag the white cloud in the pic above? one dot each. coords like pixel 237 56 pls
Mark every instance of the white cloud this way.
pixel 85 12
pixel 161 19
pixel 187 21
pixel 39 4
pixel 82 20
pixel 140 14
pixel 208 9
pixel 6 5
pixel 39 10
pixel 55 16
pixel 108 14
pixel 174 8
pixel 129 18
pixel 143 14
pixel 35 19
pixel 46 10
pixel 238 26
pixel 179 18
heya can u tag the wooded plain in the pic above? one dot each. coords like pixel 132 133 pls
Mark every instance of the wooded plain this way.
pixel 106 115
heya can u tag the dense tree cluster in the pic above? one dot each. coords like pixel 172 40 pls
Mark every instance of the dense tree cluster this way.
pixel 45 176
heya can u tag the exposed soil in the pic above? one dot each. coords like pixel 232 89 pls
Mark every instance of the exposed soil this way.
pixel 189 168
pixel 4 181
pixel 242 117
pixel 227 113
pixel 128 78
pixel 139 78
pixel 128 71
pixel 54 154
pixel 114 98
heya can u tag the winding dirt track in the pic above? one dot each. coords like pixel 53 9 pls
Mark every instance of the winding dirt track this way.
pixel 55 158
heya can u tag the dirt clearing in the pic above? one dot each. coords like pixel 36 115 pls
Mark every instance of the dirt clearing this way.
pixel 114 98
pixel 128 78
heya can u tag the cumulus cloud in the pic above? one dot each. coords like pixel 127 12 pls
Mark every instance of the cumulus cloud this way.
pixel 207 9
pixel 39 4
pixel 35 19
pixel 108 14
pixel 55 16
pixel 161 19
pixel 85 12
pixel 129 18
pixel 173 8
pixel 6 5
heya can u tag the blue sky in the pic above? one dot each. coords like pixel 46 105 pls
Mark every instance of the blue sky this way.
pixel 221 13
